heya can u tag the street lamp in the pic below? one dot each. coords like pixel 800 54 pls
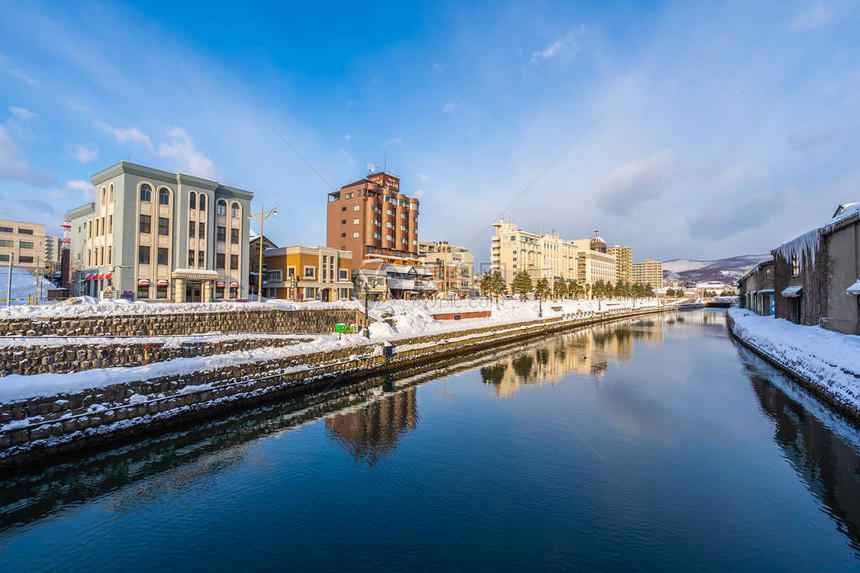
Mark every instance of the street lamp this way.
pixel 262 216
pixel 368 282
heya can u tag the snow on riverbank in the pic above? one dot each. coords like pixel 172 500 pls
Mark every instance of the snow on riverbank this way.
pixel 827 359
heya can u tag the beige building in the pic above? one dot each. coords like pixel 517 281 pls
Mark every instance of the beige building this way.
pixel 308 273
pixel 454 266
pixel 623 262
pixel 593 262
pixel 648 273
pixel 543 256
pixel 24 243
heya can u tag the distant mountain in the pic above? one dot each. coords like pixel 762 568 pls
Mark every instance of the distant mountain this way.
pixel 724 270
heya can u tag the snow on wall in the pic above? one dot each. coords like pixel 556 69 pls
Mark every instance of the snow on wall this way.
pixel 807 244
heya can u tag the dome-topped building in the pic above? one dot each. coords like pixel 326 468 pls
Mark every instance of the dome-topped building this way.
pixel 597 243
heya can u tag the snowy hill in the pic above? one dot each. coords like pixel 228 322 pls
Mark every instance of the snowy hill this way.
pixel 726 270
pixel 23 284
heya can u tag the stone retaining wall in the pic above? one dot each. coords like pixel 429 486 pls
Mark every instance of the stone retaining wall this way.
pixel 74 357
pixel 49 426
pixel 275 321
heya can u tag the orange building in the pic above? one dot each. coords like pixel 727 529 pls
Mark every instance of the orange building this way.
pixel 308 273
pixel 373 219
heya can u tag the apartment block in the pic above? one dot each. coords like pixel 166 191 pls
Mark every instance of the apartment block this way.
pixel 593 262
pixel 308 273
pixel 23 243
pixel 155 235
pixel 374 220
pixel 453 266
pixel 623 262
pixel 648 273
pixel 513 250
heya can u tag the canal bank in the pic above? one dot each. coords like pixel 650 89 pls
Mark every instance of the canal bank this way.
pixel 827 363
pixel 41 427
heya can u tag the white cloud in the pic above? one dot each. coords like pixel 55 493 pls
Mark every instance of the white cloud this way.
pixel 440 66
pixel 13 164
pixel 185 158
pixel 128 135
pixel 815 17
pixel 448 107
pixel 632 183
pixel 79 185
pixel 394 141
pixel 564 47
pixel 22 113
pixel 83 153
pixel 347 137
pixel 420 193
pixel 346 155
pixel 423 177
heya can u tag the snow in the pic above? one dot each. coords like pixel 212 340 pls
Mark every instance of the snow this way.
pixel 854 288
pixel 828 360
pixel 23 284
pixel 808 243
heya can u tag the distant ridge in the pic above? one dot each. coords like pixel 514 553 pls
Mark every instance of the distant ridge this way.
pixel 727 270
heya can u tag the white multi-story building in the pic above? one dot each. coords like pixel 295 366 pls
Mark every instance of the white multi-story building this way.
pixel 648 273
pixel 546 256
pixel 593 263
pixel 23 243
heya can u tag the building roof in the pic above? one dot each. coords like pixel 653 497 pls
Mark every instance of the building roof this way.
pixel 807 243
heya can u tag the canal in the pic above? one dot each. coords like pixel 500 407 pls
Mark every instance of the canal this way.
pixel 657 444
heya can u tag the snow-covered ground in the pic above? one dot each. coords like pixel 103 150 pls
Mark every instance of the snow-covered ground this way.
pixel 23 284
pixel 411 318
pixel 828 359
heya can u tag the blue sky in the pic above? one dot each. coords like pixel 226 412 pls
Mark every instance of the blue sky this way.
pixel 726 128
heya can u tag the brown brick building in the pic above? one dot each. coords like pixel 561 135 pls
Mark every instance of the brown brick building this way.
pixel 373 219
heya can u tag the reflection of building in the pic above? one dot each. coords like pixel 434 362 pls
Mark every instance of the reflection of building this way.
pixel 623 263
pixel 453 265
pixel 163 236
pixel 648 273
pixel 826 464
pixel 542 256
pixel 308 273
pixel 373 219
pixel 23 242
pixel 371 432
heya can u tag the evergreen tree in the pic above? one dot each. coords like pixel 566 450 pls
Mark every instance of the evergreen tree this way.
pixel 542 289
pixel 522 284
pixel 560 289
pixel 573 288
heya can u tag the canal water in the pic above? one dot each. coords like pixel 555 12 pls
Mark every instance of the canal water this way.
pixel 656 444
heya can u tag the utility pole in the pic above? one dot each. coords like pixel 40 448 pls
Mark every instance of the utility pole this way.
pixel 37 280
pixel 262 216
pixel 9 283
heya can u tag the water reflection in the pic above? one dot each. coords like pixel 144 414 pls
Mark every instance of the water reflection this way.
pixel 371 433
pixel 588 352
pixel 823 449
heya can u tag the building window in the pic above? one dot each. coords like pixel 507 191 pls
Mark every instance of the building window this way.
pixel 162 256
pixel 344 274
pixel 343 208
pixel 9 229
pixel 161 291
pixel 145 223
pixel 344 293
pixel 310 272
pixel 234 292
pixel 309 293
pixel 163 226
pixel 221 234
pixel 191 258
pixel 4 258
pixel 234 236
pixel 25 231
pixel 202 233
pixel 110 256
pixel 27 259
pixel 355 221
pixel 274 276
pixel 795 266
pixel 110 223
pixel 192 229
pixel 355 235
pixel 25 244
pixel 219 260
pixel 356 208
pixel 201 259
pixel 192 200
pixel 343 221
pixel 219 292
pixel 234 211
pixel 343 235
pixel 202 202
pixel 291 272
pixel 7 243
pixel 221 207
pixel 142 292
pixel 234 262
pixel 143 256
pixel 145 196
pixel 163 196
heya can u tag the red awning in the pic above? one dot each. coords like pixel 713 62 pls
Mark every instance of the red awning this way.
pixel 99 277
pixel 143 282
pixel 88 277
pixel 219 284
pixel 162 282
pixel 109 276
pixel 234 285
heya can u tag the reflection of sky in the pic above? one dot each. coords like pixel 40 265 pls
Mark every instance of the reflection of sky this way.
pixel 667 462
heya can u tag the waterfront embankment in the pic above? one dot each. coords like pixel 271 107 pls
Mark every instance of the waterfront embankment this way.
pixel 826 362
pixel 49 415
